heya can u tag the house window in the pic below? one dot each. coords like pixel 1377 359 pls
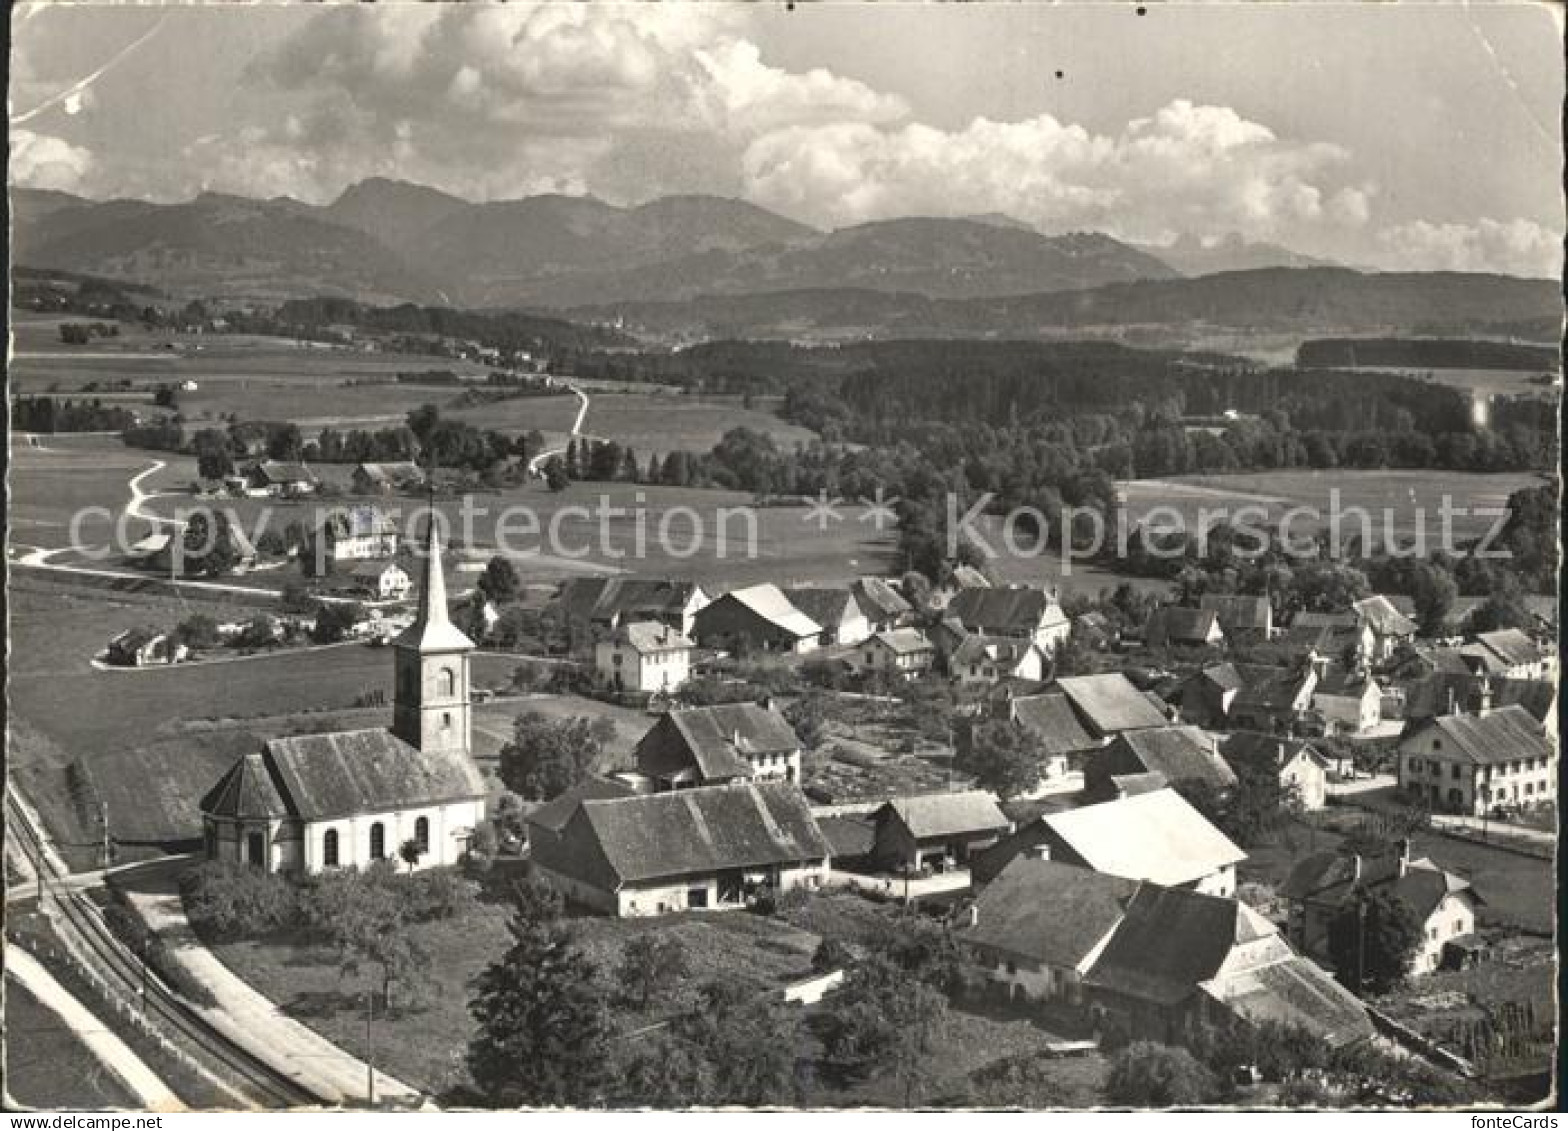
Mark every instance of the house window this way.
pixel 422 834
pixel 378 841
pixel 1455 768
pixel 329 849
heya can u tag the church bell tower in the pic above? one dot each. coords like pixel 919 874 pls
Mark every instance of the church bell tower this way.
pixel 431 705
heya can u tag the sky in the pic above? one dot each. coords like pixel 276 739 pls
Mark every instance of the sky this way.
pixel 1402 136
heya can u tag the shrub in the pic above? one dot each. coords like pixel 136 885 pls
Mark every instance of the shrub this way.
pixel 437 893
pixel 236 900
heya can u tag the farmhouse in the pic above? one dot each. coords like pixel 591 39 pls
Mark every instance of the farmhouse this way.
pixel 1296 765
pixel 904 652
pixel 644 656
pixel 1507 654
pixel 714 745
pixel 594 607
pixel 1175 626
pixel 279 478
pixel 716 848
pixel 357 533
pixel 1182 962
pixel 313 802
pixel 1206 696
pixel 1041 924
pixel 138 647
pixel 991 659
pixel 1109 704
pixel 880 603
pixel 386 478
pixel 1014 611
pixel 1181 755
pixel 385 581
pixel 1339 635
pixel 1475 764
pixel 1349 700
pixel 1244 620
pixel 758 618
pixel 1452 694
pixel 836 610
pixel 1059 738
pixel 1320 886
pixel 1273 699
pixel 1154 836
pixel 1390 627
pixel 939 831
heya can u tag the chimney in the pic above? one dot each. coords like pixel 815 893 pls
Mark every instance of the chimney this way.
pixel 1355 875
pixel 974 914
pixel 1404 855
pixel 1041 851
pixel 1452 705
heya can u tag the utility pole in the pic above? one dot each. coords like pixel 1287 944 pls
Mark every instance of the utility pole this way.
pixel 103 817
pixel 370 1052
pixel 1361 941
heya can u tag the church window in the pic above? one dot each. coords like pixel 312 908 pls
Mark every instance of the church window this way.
pixel 256 849
pixel 447 681
pixel 422 834
pixel 329 848
pixel 446 720
pixel 378 841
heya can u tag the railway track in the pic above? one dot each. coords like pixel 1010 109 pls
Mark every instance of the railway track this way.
pixel 248 1076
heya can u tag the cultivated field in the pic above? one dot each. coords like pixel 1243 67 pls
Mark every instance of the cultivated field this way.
pixel 1394 500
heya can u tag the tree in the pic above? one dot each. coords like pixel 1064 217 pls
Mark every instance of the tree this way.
pixel 335 620
pixel 236 900
pixel 409 852
pixel 831 954
pixel 295 597
pixel 650 967
pixel 1029 1081
pixel 808 720
pixel 884 1022
pixel 748 1042
pixel 197 632
pixel 1504 607
pixel 547 757
pixel 556 476
pixel 365 919
pixel 1371 940
pixel 1146 1074
pixel 500 581
pixel 1001 757
pixel 214 462
pixel 660 1070
pixel 543 1029
pixel 1433 591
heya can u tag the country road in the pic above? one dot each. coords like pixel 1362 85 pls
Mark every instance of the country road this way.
pixel 577 430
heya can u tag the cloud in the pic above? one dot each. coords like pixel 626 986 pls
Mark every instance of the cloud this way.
pixel 45 162
pixel 1186 168
pixel 503 101
pixel 1511 247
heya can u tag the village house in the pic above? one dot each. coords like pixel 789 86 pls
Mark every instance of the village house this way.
pixel 1390 628
pixel 386 478
pixel 1096 631
pixel 1499 759
pixel 279 479
pixel 936 831
pixel 1273 700
pixel 1013 611
pixel 1296 765
pixel 1108 704
pixel 1319 888
pixel 1180 755
pixel 1156 835
pixel 384 581
pixel 594 607
pixel 836 610
pixel 1182 963
pixel 355 534
pixel 905 652
pixel 139 647
pixel 345 799
pixel 730 742
pixel 992 659
pixel 1040 926
pixel 758 618
pixel 1342 636
pixel 1467 694
pixel 1348 700
pixel 959 579
pixel 1507 654
pixel 718 848
pixel 1057 736
pixel 1206 696
pixel 1175 626
pixel 882 605
pixel 1245 621
pixel 645 657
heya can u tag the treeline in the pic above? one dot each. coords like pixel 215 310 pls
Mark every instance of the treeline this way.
pixel 1425 353
pixel 48 414
pixel 508 331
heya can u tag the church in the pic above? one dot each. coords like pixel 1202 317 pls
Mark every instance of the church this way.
pixel 309 803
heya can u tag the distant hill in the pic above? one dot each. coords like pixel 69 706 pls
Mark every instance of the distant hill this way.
pixel 1191 256
pixel 391 211
pixel 1313 301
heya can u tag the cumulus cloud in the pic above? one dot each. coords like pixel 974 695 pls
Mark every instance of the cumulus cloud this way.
pixel 1186 168
pixel 504 101
pixel 46 162
pixel 1511 247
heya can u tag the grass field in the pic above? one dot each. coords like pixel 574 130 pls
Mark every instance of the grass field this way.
pixel 655 423
pixel 1394 500
pixel 1487 382
pixel 47 1066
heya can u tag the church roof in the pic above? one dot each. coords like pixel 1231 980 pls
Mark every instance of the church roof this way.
pixel 246 792
pixel 364 771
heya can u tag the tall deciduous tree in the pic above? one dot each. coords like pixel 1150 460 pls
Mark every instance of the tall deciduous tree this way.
pixel 546 757
pixel 1371 939
pixel 1146 1074
pixel 1001 757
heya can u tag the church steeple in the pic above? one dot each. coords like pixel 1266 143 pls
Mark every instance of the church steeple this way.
pixel 431 704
